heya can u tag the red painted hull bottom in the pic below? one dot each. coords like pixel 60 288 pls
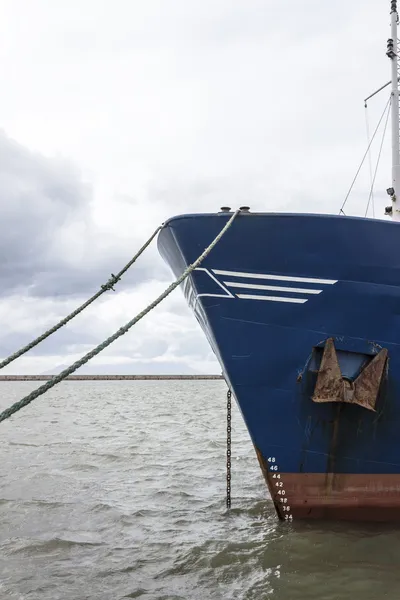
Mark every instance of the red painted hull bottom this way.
pixel 331 496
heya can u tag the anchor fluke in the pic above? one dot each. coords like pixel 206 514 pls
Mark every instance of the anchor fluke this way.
pixel 331 386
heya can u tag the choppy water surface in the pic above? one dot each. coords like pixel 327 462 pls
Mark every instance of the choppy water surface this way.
pixel 112 490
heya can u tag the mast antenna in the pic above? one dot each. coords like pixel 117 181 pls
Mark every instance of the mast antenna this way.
pixel 393 53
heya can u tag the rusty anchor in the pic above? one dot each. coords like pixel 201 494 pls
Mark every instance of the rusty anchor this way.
pixel 332 387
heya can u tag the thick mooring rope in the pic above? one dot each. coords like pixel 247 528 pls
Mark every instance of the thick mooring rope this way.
pixel 79 363
pixel 104 288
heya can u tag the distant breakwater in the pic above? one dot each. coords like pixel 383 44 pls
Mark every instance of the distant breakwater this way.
pixel 107 377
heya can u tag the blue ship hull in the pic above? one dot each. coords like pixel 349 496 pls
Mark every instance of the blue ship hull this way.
pixel 279 297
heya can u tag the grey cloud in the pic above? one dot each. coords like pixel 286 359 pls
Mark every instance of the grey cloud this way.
pixel 40 198
pixel 59 343
pixel 79 336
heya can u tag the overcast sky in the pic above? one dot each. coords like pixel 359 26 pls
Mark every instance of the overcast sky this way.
pixel 115 115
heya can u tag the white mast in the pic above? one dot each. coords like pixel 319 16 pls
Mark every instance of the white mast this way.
pixel 392 53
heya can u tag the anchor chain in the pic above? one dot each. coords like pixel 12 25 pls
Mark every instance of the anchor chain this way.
pixel 228 446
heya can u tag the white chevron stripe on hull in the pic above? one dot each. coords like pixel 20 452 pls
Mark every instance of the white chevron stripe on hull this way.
pixel 271 288
pixel 272 298
pixel 275 277
pixel 224 287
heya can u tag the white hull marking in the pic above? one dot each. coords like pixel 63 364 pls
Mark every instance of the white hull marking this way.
pixel 275 277
pixel 271 288
pixel 272 298
pixel 227 294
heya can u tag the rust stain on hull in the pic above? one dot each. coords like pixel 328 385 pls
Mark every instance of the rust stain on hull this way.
pixel 354 497
pixel 330 473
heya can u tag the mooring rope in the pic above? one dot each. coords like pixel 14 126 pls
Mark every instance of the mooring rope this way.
pixel 104 288
pixel 121 331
